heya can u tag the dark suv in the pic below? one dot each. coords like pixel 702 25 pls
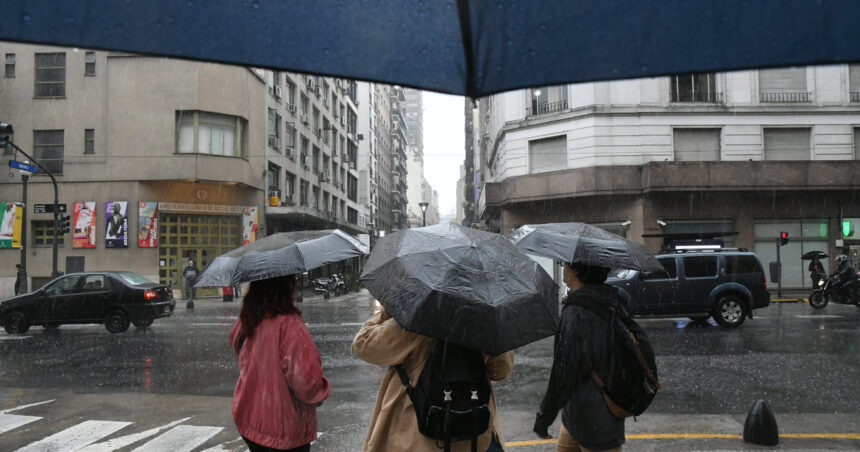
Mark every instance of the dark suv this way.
pixel 724 284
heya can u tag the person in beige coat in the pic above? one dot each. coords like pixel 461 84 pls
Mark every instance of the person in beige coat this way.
pixel 393 426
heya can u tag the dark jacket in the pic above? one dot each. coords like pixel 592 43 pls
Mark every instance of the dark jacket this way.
pixel 846 272
pixel 580 345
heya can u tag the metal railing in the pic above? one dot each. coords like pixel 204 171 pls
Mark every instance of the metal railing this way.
pixel 698 96
pixel 542 109
pixel 785 97
pixel 855 96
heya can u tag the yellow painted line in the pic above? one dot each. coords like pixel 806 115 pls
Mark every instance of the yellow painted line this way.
pixel 540 442
pixel 789 300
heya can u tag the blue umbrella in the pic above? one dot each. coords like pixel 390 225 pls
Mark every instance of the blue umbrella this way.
pixel 469 47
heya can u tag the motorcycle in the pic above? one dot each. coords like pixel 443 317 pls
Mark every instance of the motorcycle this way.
pixel 328 285
pixel 833 290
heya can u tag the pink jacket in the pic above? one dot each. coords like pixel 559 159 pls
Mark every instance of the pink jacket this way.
pixel 280 383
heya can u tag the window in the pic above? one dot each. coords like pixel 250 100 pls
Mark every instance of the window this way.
pixel 315 197
pixel 700 266
pixel 304 104
pixel 548 99
pixel 50 75
pixel 786 144
pixel 352 188
pixel 290 134
pixel 316 121
pixel 43 233
pixel 303 193
pixel 68 284
pixel 291 93
pixel 352 216
pixel 783 85
pixel 548 154
pixel 857 144
pixel 10 65
pixel 289 186
pixel 274 129
pixel 96 283
pixel 694 88
pixel 696 144
pixel 48 149
pixel 90 63
pixel 274 177
pixel 316 159
pixel 89 141
pixel 741 264
pixel 210 133
pixel 853 81
pixel 304 151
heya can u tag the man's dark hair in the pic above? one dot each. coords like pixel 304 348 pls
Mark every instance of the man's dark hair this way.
pixel 590 274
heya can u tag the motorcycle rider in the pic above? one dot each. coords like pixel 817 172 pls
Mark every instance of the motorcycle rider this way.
pixel 847 275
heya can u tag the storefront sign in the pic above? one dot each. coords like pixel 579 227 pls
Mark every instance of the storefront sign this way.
pixel 199 208
pixel 84 235
pixel 116 224
pixel 249 225
pixel 147 222
pixel 10 229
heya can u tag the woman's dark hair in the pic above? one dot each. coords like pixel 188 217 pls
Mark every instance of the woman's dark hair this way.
pixel 267 298
pixel 590 274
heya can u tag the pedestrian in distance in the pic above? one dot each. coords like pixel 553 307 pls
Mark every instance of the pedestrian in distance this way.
pixel 281 380
pixel 190 273
pixel 394 423
pixel 18 279
pixel 816 271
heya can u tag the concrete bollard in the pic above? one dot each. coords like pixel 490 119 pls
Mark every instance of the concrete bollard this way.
pixel 760 425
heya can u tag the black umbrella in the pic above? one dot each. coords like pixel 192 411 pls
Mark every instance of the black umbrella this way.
pixel 470 287
pixel 285 253
pixel 584 243
pixel 808 256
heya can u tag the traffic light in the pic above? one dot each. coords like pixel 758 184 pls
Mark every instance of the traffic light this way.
pixel 783 238
pixel 5 134
pixel 65 223
pixel 847 228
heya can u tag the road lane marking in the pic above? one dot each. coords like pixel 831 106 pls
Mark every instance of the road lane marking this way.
pixel 76 437
pixel 819 316
pixel 352 324
pixel 128 440
pixel 22 407
pixel 223 447
pixel 14 338
pixel 696 436
pixel 13 421
pixel 180 438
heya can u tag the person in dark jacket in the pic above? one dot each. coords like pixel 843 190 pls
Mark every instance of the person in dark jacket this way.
pixel 846 273
pixel 580 346
pixel 816 271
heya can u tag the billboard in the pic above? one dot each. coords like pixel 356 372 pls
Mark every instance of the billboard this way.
pixel 250 225
pixel 84 234
pixel 116 224
pixel 10 228
pixel 147 223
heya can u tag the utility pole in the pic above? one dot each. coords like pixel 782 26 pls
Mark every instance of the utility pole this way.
pixel 22 272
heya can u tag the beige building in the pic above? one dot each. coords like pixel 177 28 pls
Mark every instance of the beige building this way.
pixel 117 127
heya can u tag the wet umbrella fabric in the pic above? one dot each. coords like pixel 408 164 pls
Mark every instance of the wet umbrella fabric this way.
pixel 813 254
pixel 584 243
pixel 469 47
pixel 280 254
pixel 468 286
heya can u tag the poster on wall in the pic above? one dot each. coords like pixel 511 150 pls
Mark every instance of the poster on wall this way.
pixel 84 235
pixel 116 224
pixel 10 229
pixel 147 222
pixel 249 225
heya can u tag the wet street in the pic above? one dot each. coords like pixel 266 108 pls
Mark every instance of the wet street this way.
pixel 170 387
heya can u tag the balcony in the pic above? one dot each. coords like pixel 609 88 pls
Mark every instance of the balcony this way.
pixel 705 97
pixel 855 96
pixel 795 97
pixel 543 109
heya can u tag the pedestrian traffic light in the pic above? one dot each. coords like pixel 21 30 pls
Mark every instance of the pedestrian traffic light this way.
pixel 65 223
pixel 783 238
pixel 847 228
pixel 5 134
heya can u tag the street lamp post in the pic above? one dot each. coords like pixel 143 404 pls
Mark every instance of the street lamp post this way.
pixel 423 205
pixel 22 270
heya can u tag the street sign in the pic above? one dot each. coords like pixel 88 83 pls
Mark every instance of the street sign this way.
pixel 22 166
pixel 48 208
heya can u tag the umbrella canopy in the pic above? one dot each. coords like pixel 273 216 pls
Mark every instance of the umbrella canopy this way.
pixel 584 243
pixel 468 47
pixel 467 286
pixel 285 253
pixel 811 254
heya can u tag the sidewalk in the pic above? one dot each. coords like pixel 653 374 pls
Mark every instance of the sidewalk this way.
pixel 218 302
pixel 789 295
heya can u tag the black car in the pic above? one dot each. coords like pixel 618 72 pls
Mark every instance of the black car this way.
pixel 113 298
pixel 727 285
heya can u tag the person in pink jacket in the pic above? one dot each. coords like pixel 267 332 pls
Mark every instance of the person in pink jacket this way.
pixel 280 372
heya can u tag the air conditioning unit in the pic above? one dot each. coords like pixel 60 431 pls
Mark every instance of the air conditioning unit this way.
pixel 290 152
pixel 342 121
pixel 305 120
pixel 278 92
pixel 310 83
pixel 292 109
pixel 304 160
pixel 318 91
pixel 274 141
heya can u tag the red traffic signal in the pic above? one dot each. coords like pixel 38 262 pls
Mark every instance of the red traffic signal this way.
pixel 783 238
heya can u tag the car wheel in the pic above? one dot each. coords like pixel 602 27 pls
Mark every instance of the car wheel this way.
pixel 116 321
pixel 818 300
pixel 52 326
pixel 16 323
pixel 142 324
pixel 730 311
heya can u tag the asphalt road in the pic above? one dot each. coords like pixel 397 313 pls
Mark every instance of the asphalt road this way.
pixel 170 387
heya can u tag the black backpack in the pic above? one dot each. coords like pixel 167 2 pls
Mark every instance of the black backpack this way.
pixel 452 397
pixel 632 382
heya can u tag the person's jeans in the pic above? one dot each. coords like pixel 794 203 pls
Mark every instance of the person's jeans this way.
pixel 566 443
pixel 254 447
pixel 495 446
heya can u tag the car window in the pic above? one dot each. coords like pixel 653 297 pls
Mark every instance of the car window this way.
pixel 93 283
pixel 671 272
pixel 700 266
pixel 133 278
pixel 63 285
pixel 741 264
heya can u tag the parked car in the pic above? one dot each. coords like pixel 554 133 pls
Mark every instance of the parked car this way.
pixel 725 284
pixel 112 298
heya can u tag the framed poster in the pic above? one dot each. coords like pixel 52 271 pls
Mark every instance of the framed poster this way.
pixel 84 235
pixel 250 225
pixel 10 228
pixel 147 223
pixel 116 224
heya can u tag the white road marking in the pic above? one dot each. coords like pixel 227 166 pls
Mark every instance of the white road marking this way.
pixel 76 437
pixel 213 324
pixel 819 316
pixel 13 421
pixel 22 407
pixel 223 447
pixel 351 324
pixel 128 440
pixel 14 338
pixel 180 438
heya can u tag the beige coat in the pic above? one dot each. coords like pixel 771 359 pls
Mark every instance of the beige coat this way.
pixel 393 427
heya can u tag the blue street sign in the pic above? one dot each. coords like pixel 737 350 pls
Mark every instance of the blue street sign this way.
pixel 22 166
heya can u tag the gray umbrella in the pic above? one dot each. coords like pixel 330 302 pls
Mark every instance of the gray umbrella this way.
pixel 280 254
pixel 584 243
pixel 467 286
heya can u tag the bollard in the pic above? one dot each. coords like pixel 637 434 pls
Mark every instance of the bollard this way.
pixel 760 425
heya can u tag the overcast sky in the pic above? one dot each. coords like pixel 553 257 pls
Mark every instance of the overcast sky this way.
pixel 444 146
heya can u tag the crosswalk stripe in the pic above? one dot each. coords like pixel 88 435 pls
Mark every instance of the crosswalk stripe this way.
pixel 30 405
pixel 13 421
pixel 819 316
pixel 14 338
pixel 76 437
pixel 128 440
pixel 180 438
pixel 223 447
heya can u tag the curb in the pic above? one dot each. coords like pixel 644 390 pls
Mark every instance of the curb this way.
pixel 789 300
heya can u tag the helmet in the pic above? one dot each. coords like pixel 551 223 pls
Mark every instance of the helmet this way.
pixel 841 258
